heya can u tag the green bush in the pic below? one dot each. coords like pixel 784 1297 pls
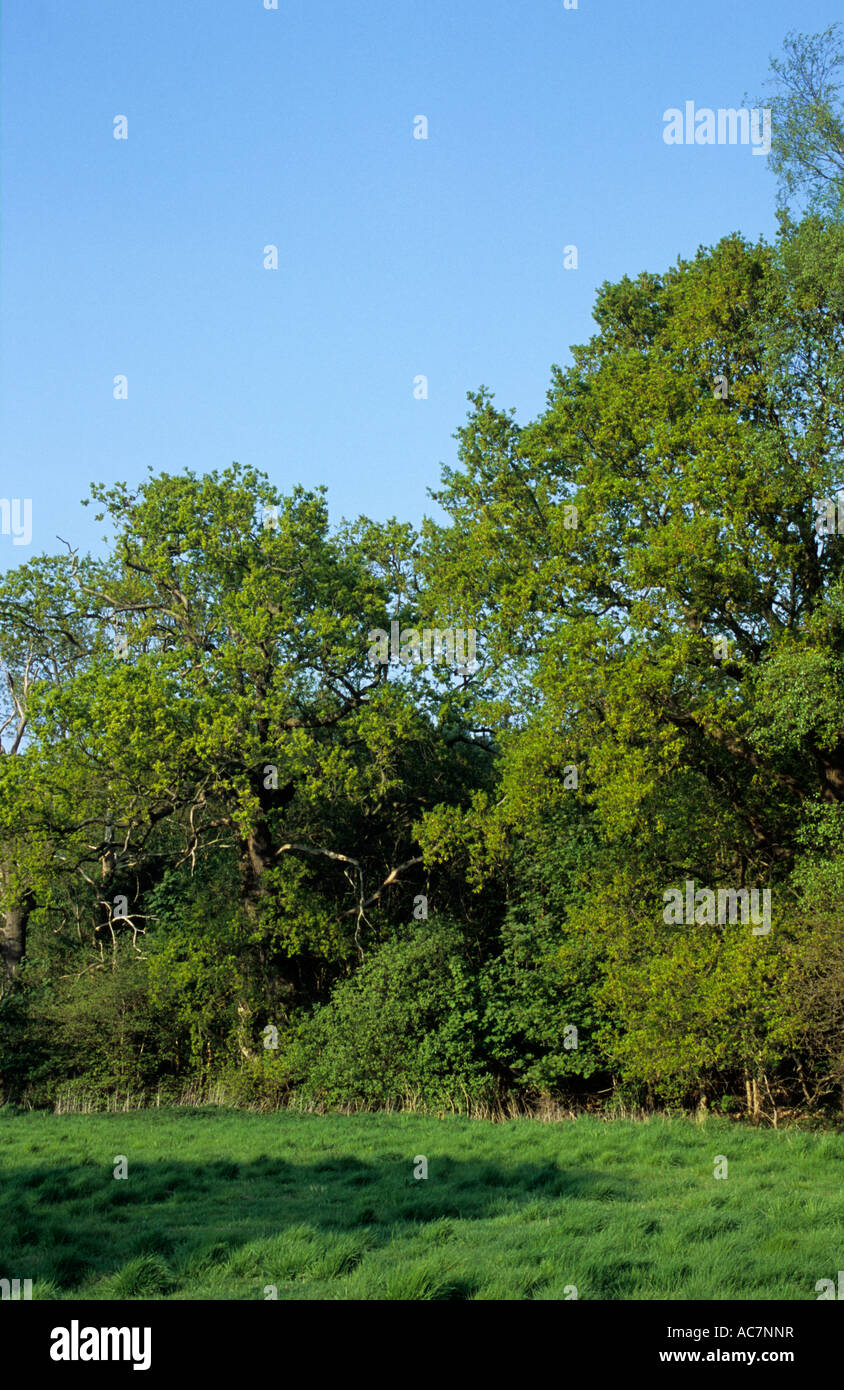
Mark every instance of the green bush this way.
pixel 95 1033
pixel 538 1014
pixel 404 1026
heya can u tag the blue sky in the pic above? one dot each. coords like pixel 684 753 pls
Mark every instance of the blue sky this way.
pixel 397 257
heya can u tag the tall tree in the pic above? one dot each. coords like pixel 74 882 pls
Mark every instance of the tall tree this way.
pixel 694 436
pixel 807 149
pixel 229 704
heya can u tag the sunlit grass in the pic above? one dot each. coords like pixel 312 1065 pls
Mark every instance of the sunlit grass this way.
pixel 231 1205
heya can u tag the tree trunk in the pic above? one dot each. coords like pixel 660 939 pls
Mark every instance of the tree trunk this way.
pixel 256 858
pixel 13 935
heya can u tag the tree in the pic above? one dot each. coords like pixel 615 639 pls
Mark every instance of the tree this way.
pixel 634 643
pixel 46 637
pixel 681 643
pixel 224 703
pixel 807 149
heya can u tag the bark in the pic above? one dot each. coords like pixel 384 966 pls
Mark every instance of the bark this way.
pixel 257 857
pixel 13 935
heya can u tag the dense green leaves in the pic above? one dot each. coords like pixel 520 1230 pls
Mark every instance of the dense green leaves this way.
pixel 221 822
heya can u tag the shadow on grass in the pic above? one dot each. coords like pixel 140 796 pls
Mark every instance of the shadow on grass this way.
pixel 172 1226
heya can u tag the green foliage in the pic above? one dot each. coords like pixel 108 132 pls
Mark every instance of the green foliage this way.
pixel 534 990
pixel 807 150
pixel 98 1033
pixel 404 1026
pixel 530 1000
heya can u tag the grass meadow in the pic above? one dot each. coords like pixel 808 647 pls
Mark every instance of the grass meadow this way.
pixel 220 1204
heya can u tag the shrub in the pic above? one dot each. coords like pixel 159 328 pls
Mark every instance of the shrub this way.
pixel 405 1024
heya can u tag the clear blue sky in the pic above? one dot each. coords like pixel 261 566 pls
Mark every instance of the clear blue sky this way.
pixel 397 257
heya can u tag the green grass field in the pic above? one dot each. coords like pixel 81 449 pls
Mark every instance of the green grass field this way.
pixel 219 1204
